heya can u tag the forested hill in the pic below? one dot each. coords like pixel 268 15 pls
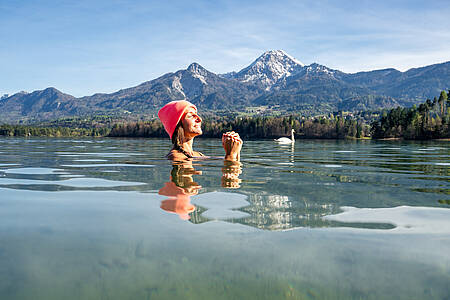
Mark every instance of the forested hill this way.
pixel 429 120
pixel 275 83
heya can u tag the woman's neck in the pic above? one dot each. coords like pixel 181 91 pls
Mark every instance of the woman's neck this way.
pixel 187 146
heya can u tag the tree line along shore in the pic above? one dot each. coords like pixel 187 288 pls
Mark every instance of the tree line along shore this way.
pixel 429 120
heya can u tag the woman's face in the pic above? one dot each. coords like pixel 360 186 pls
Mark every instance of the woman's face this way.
pixel 192 123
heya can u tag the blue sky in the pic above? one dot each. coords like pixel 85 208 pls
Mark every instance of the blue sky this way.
pixel 84 47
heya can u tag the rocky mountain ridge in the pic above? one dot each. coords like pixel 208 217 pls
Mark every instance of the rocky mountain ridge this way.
pixel 275 80
pixel 268 69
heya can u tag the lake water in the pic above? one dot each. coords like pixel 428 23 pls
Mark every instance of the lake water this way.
pixel 112 219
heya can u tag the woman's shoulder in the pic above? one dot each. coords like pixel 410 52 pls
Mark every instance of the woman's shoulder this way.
pixel 176 155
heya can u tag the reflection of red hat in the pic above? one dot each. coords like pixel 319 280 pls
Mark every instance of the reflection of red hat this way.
pixel 181 206
pixel 171 113
pixel 179 200
pixel 170 189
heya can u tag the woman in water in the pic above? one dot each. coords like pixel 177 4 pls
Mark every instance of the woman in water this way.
pixel 183 124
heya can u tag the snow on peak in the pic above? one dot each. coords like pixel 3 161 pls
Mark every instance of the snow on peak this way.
pixel 316 68
pixel 198 71
pixel 269 68
pixel 282 55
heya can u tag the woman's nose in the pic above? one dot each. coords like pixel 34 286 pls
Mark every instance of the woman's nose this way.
pixel 198 119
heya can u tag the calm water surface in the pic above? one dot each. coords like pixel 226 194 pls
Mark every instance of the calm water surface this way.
pixel 112 219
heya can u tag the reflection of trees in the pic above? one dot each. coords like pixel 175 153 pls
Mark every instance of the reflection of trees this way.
pixel 196 215
pixel 275 212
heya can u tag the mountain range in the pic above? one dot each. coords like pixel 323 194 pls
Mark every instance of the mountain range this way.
pixel 274 82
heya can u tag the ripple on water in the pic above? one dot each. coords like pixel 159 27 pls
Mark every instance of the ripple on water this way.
pixel 106 165
pixel 8 165
pixel 430 149
pixel 34 171
pixel 344 151
pixel 90 160
pixel 99 154
pixel 97 182
pixel 72 182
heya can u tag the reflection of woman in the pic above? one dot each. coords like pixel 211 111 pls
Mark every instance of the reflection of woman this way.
pixel 183 124
pixel 179 190
pixel 182 186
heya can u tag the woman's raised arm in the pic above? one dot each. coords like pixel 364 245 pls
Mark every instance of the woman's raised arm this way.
pixel 232 144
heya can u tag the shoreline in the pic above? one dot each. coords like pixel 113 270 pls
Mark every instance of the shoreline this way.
pixel 248 139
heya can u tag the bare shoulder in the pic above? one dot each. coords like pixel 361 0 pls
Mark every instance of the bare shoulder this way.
pixel 176 155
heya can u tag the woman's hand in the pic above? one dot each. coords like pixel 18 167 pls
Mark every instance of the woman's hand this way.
pixel 232 144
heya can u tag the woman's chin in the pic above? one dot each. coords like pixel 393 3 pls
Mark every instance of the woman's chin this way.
pixel 195 133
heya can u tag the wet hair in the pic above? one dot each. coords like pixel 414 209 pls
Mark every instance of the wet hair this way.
pixel 178 138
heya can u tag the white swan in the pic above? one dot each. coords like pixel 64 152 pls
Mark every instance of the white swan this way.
pixel 285 140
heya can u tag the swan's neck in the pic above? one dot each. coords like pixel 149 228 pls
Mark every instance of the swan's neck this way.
pixel 292 136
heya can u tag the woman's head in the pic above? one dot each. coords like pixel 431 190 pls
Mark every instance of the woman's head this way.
pixel 187 128
pixel 191 123
pixel 173 112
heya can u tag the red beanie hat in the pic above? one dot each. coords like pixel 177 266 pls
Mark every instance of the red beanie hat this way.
pixel 171 114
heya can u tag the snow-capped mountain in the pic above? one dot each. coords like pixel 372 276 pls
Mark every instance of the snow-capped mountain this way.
pixel 316 69
pixel 191 82
pixel 274 79
pixel 268 69
pixel 318 74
